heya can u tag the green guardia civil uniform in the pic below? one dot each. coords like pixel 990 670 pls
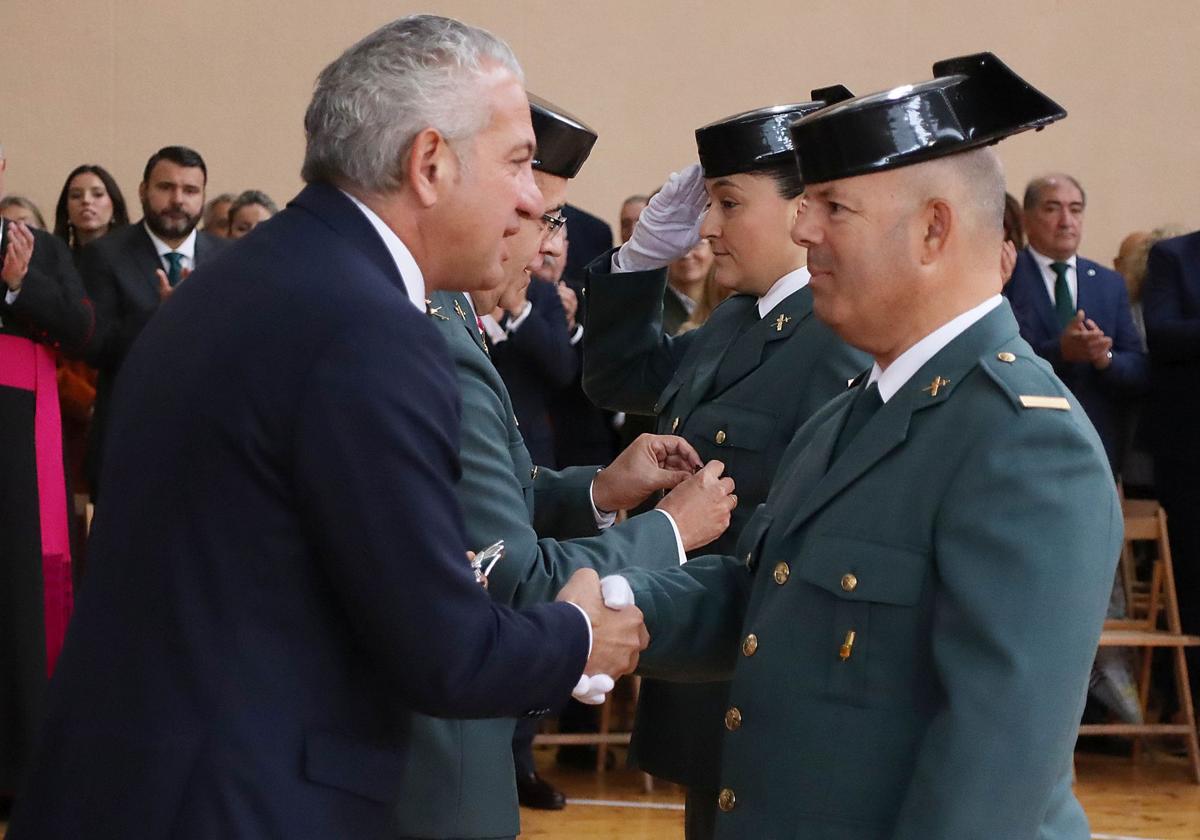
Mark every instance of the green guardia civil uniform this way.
pixel 461 780
pixel 910 627
pixel 737 388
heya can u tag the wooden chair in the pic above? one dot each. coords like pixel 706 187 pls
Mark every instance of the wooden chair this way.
pixel 1152 624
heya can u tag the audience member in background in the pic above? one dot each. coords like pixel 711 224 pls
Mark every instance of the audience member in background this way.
pixel 1014 228
pixel 737 388
pixel 42 310
pixel 248 210
pixel 134 269
pixel 17 208
pixel 216 215
pixel 631 209
pixel 531 348
pixel 710 296
pixel 593 236
pixel 1172 308
pixel 1075 312
pixel 685 286
pixel 90 204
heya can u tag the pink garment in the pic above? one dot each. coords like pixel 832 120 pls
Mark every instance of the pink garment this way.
pixel 29 366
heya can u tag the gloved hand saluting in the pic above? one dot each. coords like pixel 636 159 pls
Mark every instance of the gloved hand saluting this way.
pixel 669 227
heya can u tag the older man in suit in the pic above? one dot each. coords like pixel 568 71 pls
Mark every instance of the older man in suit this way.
pixel 1171 301
pixel 279 573
pixel 911 616
pixel 129 272
pixel 1075 312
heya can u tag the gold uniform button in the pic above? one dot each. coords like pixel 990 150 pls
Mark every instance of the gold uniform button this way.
pixel 733 719
pixel 726 800
pixel 750 645
pixel 782 571
pixel 674 425
pixel 1006 357
pixel 720 438
pixel 849 583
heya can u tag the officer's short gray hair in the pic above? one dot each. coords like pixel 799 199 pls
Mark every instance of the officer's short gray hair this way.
pixel 415 73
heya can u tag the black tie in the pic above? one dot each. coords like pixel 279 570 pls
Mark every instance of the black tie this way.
pixel 866 403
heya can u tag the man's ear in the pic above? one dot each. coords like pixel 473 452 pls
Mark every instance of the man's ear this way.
pixel 142 191
pixel 940 221
pixel 432 166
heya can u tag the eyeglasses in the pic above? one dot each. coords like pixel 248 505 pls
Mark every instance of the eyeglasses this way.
pixel 553 224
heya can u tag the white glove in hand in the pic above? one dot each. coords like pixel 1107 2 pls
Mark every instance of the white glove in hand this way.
pixel 592 690
pixel 669 227
pixel 616 591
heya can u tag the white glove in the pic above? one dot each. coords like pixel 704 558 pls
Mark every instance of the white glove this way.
pixel 592 690
pixel 669 227
pixel 616 591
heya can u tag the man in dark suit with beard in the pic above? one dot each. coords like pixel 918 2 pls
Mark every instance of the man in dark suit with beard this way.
pixel 278 574
pixel 129 272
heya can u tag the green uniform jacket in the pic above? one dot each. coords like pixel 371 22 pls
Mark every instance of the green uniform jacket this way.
pixel 969 543
pixel 736 397
pixel 462 782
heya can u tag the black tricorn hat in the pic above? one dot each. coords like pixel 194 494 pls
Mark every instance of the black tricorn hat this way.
pixel 563 141
pixel 975 100
pixel 753 139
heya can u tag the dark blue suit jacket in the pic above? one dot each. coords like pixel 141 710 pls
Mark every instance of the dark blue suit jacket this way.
pixel 535 361
pixel 278 573
pixel 1171 305
pixel 1105 395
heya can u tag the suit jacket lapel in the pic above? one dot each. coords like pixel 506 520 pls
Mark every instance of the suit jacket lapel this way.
pixel 746 353
pixel 888 429
pixel 1085 290
pixel 1036 294
pixel 720 334
pixel 143 262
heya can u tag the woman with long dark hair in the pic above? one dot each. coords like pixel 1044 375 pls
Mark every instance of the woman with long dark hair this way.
pixel 89 206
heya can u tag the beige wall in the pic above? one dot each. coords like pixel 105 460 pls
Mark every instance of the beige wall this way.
pixel 109 81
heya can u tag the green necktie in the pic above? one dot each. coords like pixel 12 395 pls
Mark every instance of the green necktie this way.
pixel 1064 307
pixel 866 402
pixel 174 268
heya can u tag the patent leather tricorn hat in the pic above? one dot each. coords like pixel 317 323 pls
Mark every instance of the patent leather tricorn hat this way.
pixel 754 139
pixel 563 141
pixel 973 101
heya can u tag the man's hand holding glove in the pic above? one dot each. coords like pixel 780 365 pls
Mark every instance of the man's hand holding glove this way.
pixel 614 593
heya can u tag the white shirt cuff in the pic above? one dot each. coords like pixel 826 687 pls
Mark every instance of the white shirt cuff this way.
pixel 577 336
pixel 603 520
pixel 10 297
pixel 586 621
pixel 514 323
pixel 678 539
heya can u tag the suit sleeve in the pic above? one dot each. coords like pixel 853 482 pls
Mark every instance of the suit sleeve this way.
pixel 1129 371
pixel 116 328
pixel 1025 549
pixel 52 298
pixel 563 503
pixel 375 461
pixel 1172 333
pixel 694 614
pixel 627 360
pixel 543 342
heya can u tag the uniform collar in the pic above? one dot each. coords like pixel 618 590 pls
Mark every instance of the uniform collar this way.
pixel 789 283
pixel 914 358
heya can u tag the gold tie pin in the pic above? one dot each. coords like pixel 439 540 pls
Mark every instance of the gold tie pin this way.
pixel 434 311
pixel 780 321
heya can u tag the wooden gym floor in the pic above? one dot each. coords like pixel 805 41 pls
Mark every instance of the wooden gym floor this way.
pixel 1153 800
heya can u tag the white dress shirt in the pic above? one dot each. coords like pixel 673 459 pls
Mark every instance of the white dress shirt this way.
pixel 410 272
pixel 914 358
pixel 786 285
pixel 187 247
pixel 1051 279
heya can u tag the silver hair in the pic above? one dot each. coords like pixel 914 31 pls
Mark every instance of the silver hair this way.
pixel 414 73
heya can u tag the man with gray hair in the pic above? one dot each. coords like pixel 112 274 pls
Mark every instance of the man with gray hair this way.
pixel 279 572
